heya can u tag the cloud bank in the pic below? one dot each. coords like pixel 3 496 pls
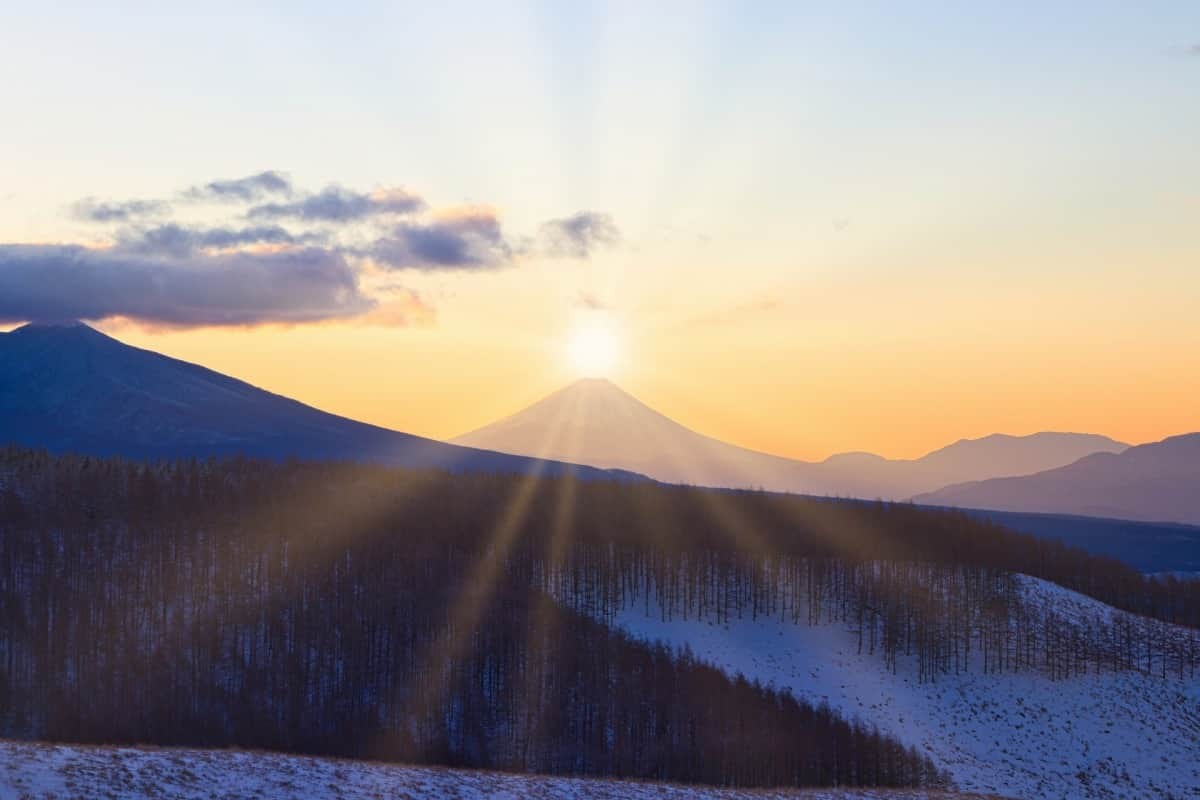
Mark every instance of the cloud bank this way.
pixel 274 253
pixel 295 286
pixel 243 190
pixel 93 210
pixel 335 204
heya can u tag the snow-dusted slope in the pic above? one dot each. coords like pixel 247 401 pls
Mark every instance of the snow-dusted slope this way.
pixel 1104 736
pixel 46 772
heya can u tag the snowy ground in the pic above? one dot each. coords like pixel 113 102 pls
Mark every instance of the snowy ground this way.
pixel 46 772
pixel 1107 736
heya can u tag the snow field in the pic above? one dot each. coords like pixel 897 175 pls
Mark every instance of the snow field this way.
pixel 57 772
pixel 1125 735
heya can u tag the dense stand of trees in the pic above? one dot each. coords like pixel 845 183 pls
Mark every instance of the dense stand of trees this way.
pixel 458 619
pixel 361 612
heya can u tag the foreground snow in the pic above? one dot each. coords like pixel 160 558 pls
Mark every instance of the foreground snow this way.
pixel 1105 736
pixel 50 772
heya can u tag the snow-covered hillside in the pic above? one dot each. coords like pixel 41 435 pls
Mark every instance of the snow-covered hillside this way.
pixel 52 772
pixel 1103 736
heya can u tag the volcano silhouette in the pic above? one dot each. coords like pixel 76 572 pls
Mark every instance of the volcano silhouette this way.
pixel 595 422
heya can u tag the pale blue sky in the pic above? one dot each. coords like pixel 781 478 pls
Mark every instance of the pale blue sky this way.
pixel 696 112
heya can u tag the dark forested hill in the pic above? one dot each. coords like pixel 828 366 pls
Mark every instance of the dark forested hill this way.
pixel 458 618
pixel 367 612
pixel 70 388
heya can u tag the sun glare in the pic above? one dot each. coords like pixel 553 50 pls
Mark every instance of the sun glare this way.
pixel 593 349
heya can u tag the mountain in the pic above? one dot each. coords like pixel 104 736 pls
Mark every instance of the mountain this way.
pixel 70 388
pixel 866 475
pixel 594 422
pixel 603 426
pixel 1157 482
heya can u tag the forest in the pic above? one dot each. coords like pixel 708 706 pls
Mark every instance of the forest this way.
pixel 458 619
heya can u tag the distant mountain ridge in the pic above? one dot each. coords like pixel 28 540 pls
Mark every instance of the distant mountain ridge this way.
pixel 1157 482
pixel 70 388
pixel 594 422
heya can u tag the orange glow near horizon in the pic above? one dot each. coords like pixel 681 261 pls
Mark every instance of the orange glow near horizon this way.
pixel 803 397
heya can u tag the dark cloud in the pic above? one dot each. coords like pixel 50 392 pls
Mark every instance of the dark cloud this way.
pixel 179 241
pixel 469 241
pixel 335 204
pixel 1194 50
pixel 279 255
pixel 93 210
pixel 64 282
pixel 578 235
pixel 243 190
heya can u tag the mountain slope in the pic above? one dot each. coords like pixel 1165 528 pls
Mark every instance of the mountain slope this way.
pixel 70 388
pixel 595 422
pixel 1154 482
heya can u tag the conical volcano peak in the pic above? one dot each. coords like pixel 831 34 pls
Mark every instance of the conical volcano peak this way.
pixel 593 381
pixel 594 421
pixel 594 386
pixel 592 402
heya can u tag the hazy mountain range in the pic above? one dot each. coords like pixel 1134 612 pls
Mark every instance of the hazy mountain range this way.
pixel 595 422
pixel 70 388
pixel 1158 482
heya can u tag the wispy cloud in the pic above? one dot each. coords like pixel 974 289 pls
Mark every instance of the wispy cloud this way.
pixel 243 190
pixel 274 254
pixel 336 204
pixel 93 210
pixel 578 235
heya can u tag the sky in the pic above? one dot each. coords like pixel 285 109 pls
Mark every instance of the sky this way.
pixel 805 228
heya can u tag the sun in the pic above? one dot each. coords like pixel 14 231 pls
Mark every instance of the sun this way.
pixel 593 349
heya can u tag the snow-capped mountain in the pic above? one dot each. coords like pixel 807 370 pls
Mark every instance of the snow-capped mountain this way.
pixel 1158 482
pixel 594 422
pixel 70 388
